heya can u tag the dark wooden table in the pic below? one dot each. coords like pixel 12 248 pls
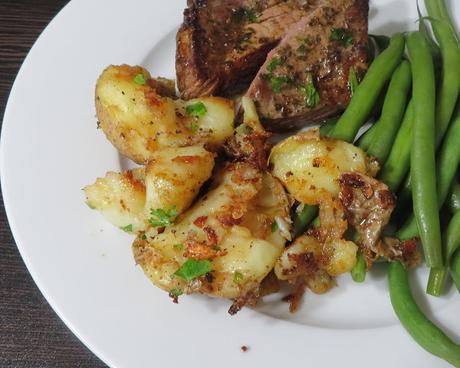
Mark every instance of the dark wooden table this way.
pixel 31 335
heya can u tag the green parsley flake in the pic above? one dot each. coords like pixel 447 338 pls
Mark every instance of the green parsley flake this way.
pixel 139 79
pixel 127 228
pixel 274 63
pixel 278 83
pixel 179 246
pixel 144 237
pixel 343 36
pixel 197 110
pixel 192 269
pixel 311 95
pixel 194 126
pixel 161 218
pixel 237 277
pixel 176 292
pixel 353 81
pixel 250 15
pixel 275 227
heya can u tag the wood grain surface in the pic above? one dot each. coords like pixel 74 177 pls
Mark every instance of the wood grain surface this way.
pixel 31 335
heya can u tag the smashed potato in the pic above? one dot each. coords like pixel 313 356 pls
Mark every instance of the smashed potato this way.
pixel 171 180
pixel 221 228
pixel 310 166
pixel 174 177
pixel 139 116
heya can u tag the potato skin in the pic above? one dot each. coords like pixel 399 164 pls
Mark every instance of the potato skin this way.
pixel 138 121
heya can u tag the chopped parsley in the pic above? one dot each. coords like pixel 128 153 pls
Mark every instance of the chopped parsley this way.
pixel 277 83
pixel 194 126
pixel 310 93
pixel 139 79
pixel 352 81
pixel 127 228
pixel 179 246
pixel 274 63
pixel 250 15
pixel 343 36
pixel 245 14
pixel 237 277
pixel 176 292
pixel 144 237
pixel 192 269
pixel 275 227
pixel 196 110
pixel 161 218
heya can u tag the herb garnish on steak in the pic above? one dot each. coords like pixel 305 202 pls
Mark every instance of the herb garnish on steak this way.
pixel 305 79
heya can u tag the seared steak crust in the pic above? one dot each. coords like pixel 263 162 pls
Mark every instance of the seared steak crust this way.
pixel 222 43
pixel 305 79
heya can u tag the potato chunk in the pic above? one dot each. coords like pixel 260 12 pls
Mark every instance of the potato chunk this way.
pixel 316 263
pixel 309 167
pixel 221 228
pixel 171 180
pixel 175 176
pixel 138 115
pixel 120 198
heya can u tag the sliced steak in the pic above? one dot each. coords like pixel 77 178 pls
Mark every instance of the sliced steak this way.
pixel 222 43
pixel 305 79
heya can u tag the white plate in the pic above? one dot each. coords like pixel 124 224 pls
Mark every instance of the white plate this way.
pixel 50 149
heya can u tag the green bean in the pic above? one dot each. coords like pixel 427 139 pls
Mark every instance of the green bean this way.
pixel 423 162
pixel 446 168
pixel 423 331
pixel 398 162
pixel 434 48
pixel 451 242
pixel 436 281
pixel 327 127
pixel 392 113
pixel 454 199
pixel 450 80
pixel 443 13
pixel 452 237
pixel 448 158
pixel 352 81
pixel 404 196
pixel 365 140
pixel 358 273
pixel 368 91
pixel 302 219
pixel 452 248
pixel 455 269
pixel 382 41
pixel 448 161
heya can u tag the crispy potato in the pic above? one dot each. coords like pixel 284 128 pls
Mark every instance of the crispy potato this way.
pixel 171 180
pixel 221 227
pixel 139 120
pixel 175 176
pixel 120 198
pixel 313 261
pixel 310 167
